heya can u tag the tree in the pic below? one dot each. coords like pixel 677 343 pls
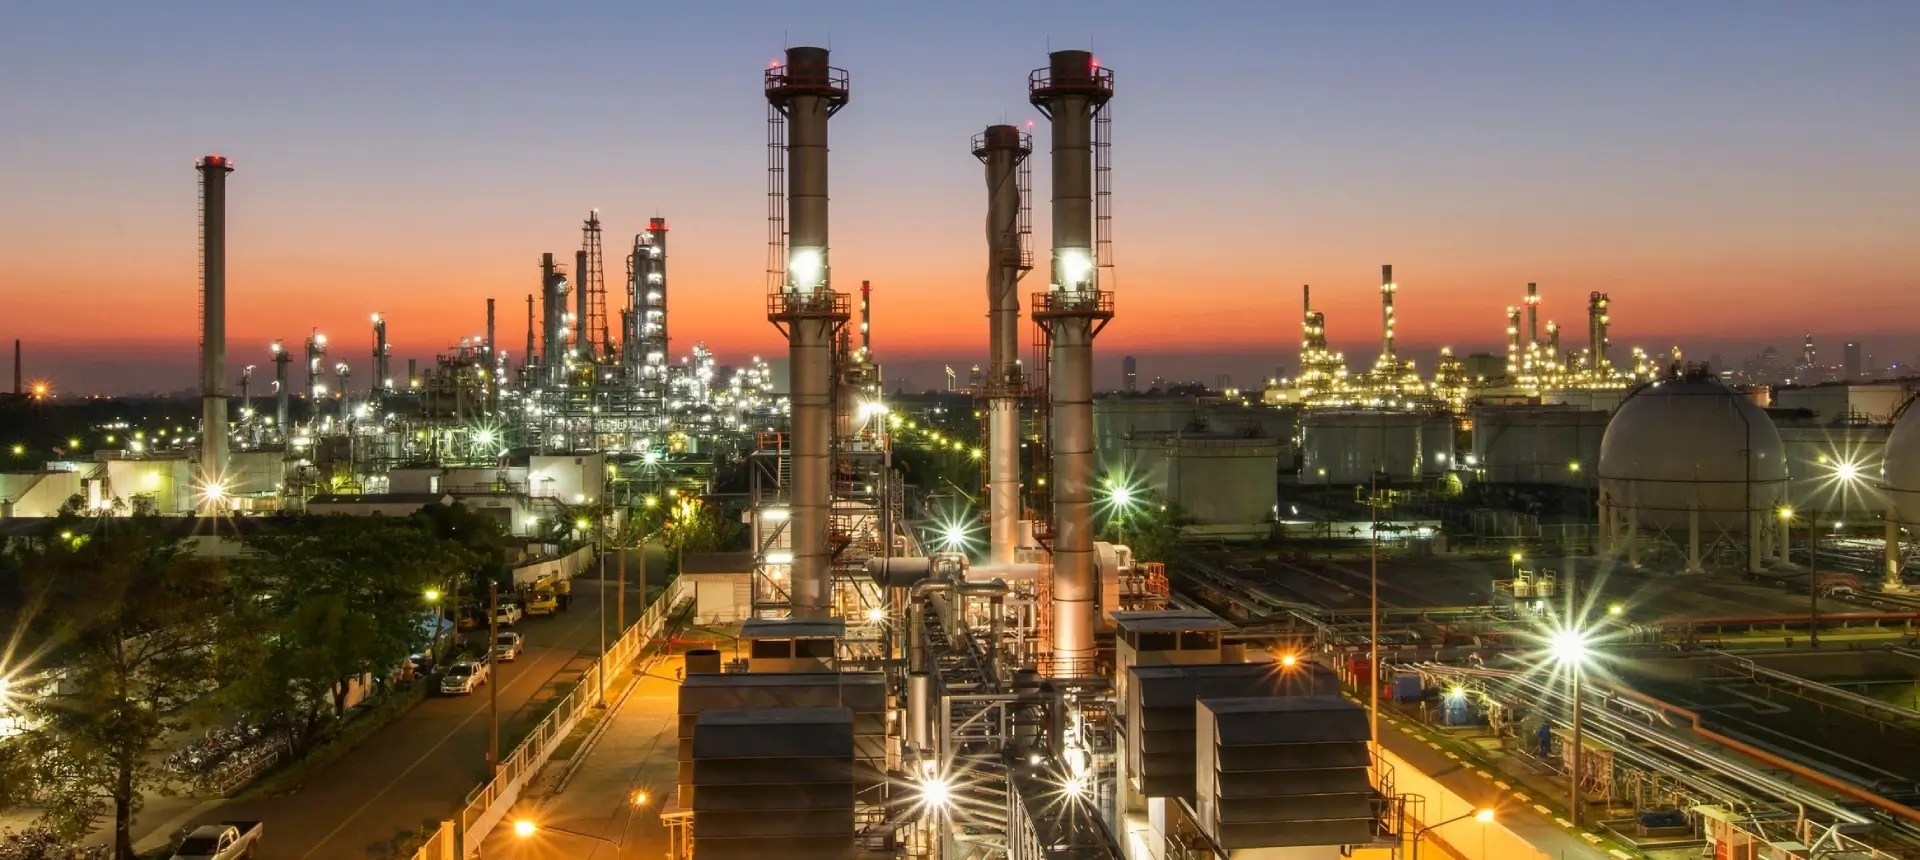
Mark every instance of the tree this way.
pixel 328 602
pixel 124 626
pixel 1150 526
pixel 687 526
pixel 480 536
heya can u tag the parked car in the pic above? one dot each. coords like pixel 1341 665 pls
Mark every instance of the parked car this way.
pixel 228 840
pixel 464 677
pixel 506 647
pixel 508 614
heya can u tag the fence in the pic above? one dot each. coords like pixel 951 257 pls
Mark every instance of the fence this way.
pixel 488 804
pixel 444 844
pixel 563 567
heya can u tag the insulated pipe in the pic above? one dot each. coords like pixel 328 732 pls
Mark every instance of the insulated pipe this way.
pixel 807 91
pixel 1002 148
pixel 919 703
pixel 213 320
pixel 1071 91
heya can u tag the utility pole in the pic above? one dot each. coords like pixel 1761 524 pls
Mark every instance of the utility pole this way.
pixel 620 595
pixel 1813 578
pixel 1373 614
pixel 493 680
pixel 600 549
pixel 1579 672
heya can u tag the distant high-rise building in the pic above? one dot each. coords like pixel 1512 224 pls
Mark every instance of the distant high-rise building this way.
pixel 974 378
pixel 1807 355
pixel 1850 361
pixel 1223 382
pixel 1130 372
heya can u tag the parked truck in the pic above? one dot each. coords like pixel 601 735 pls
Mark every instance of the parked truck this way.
pixel 228 840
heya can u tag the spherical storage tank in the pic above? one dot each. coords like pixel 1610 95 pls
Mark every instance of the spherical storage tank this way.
pixel 1691 444
pixel 1902 469
pixel 1346 447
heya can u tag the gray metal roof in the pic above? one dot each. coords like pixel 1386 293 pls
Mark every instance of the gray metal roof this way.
pixel 1173 620
pixel 793 628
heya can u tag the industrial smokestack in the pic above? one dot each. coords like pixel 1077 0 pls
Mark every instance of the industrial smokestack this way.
pixel 1387 289
pixel 1533 314
pixel 526 361
pixel 805 92
pixel 1004 150
pixel 382 380
pixel 492 366
pixel 19 380
pixel 580 298
pixel 213 324
pixel 1072 91
pixel 281 358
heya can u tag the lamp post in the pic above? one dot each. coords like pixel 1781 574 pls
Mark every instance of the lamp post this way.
pixel 1568 647
pixel 526 829
pixel 433 639
pixel 1481 815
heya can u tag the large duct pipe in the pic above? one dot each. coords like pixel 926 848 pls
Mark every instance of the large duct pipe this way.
pixel 1071 91
pixel 213 323
pixel 1003 148
pixel 807 91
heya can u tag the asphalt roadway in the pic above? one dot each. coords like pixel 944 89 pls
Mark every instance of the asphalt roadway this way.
pixel 417 770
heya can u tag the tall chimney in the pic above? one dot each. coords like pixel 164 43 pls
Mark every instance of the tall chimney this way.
pixel 1533 314
pixel 1387 289
pixel 1072 91
pixel 1004 150
pixel 281 358
pixel 805 92
pixel 213 325
pixel 382 380
pixel 19 381
pixel 526 360
pixel 492 365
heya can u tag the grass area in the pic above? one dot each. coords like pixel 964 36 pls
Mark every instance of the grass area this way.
pixel 569 746
pixel 293 774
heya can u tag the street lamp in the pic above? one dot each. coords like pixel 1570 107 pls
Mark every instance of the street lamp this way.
pixel 1483 816
pixel 1568 646
pixel 526 829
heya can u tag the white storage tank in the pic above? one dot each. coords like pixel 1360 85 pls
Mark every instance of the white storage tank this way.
pixel 1225 486
pixel 1437 443
pixel 1687 457
pixel 1552 445
pixel 1900 481
pixel 1346 447
pixel 1117 416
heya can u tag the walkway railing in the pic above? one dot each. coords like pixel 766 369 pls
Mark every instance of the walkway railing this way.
pixel 488 804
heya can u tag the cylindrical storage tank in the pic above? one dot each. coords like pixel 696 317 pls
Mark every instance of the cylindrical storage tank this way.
pixel 703 661
pixel 1114 417
pixel 920 710
pixel 1436 445
pixel 1554 445
pixel 1900 469
pixel 1689 444
pixel 1224 485
pixel 1346 447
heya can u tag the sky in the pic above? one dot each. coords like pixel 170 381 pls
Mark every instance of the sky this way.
pixel 1734 172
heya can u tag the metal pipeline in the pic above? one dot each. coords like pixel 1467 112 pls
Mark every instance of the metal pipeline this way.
pixel 213 320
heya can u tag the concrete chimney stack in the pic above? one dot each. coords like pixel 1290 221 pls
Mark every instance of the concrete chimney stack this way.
pixel 213 326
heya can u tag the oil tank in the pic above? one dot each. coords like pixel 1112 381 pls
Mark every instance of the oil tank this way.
pixel 1346 447
pixel 1689 443
pixel 1900 478
pixel 1226 486
pixel 1117 416
pixel 1554 445
pixel 1437 445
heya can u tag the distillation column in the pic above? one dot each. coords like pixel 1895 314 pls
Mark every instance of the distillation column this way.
pixel 382 378
pixel 805 92
pixel 1071 91
pixel 1533 315
pixel 1597 332
pixel 213 323
pixel 1387 289
pixel 650 318
pixel 1004 150
pixel 281 358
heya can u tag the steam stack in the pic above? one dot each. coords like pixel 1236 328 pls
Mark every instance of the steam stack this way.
pixel 1004 150
pixel 1072 90
pixel 281 358
pixel 213 321
pixel 382 379
pixel 803 93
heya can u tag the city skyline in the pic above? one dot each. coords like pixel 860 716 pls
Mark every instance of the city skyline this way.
pixel 1698 173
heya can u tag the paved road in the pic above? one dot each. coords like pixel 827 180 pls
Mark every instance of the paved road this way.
pixel 418 769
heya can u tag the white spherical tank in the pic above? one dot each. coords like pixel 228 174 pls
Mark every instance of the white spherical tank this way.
pixel 1556 445
pixel 1691 444
pixel 1347 447
pixel 1902 464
